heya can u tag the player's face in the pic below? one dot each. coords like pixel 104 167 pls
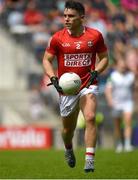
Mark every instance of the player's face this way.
pixel 72 19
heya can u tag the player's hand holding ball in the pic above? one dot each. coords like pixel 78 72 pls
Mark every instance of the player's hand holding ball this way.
pixel 55 82
pixel 70 83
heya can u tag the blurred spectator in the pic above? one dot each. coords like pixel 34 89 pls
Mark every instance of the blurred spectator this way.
pixel 46 6
pixel 101 6
pixel 119 95
pixel 32 15
pixel 15 18
pixel 2 6
pixel 94 21
pixel 36 104
pixel 40 37
pixel 49 94
pixel 132 61
pixel 60 5
pixel 130 5
pixel 16 5
pixel 119 48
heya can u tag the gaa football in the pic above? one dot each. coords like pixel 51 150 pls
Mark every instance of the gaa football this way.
pixel 70 83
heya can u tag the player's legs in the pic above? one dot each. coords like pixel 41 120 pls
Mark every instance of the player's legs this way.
pixel 88 106
pixel 127 117
pixel 69 109
pixel 69 125
pixel 118 134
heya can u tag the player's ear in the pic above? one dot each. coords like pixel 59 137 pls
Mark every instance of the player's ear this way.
pixel 82 18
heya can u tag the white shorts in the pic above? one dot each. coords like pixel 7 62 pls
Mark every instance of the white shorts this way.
pixel 67 104
pixel 122 108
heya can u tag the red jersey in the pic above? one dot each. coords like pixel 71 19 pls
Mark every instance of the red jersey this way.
pixel 77 54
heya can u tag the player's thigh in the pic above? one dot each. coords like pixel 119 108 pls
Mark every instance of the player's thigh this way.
pixel 128 112
pixel 88 104
pixel 127 118
pixel 70 121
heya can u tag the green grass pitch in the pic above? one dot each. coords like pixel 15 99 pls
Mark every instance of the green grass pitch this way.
pixel 50 164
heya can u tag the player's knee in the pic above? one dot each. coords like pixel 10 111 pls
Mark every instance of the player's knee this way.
pixel 90 117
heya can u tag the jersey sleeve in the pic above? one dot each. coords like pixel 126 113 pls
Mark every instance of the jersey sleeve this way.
pixel 52 45
pixel 101 46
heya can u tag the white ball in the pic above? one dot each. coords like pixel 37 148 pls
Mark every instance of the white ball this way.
pixel 70 82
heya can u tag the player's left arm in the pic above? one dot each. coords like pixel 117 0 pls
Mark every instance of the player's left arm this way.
pixel 103 62
pixel 100 67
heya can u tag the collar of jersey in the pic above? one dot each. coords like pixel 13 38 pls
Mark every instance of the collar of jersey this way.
pixel 84 29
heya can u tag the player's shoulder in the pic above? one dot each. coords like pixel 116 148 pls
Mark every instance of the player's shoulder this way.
pixel 93 31
pixel 60 33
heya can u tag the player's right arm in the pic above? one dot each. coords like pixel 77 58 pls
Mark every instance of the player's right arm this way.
pixel 49 56
pixel 47 64
pixel 49 70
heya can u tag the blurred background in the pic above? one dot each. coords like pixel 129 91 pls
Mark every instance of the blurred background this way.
pixel 29 112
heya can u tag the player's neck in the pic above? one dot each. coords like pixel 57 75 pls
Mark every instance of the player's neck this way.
pixel 78 32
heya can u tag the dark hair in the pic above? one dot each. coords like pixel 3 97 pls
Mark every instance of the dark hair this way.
pixel 76 6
